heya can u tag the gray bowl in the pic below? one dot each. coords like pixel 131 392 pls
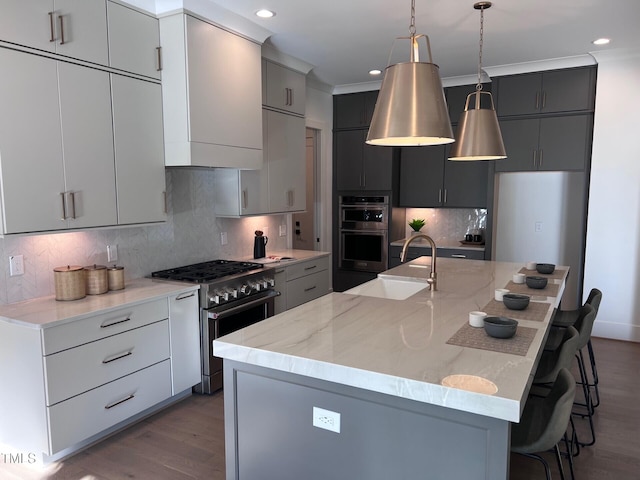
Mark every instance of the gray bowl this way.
pixel 536 282
pixel 545 268
pixel 515 301
pixel 500 327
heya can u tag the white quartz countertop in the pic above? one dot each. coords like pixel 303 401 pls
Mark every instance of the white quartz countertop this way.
pixel 398 347
pixel 286 257
pixel 46 312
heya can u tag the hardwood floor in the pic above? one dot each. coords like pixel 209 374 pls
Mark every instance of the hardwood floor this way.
pixel 186 441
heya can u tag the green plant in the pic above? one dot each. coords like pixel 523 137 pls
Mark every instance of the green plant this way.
pixel 417 224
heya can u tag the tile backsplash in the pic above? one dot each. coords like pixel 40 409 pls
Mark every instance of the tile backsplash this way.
pixel 447 226
pixel 191 234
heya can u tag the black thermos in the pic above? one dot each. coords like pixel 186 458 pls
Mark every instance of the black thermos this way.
pixel 259 245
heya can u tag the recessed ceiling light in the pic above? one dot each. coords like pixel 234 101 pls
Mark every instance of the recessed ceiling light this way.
pixel 265 13
pixel 601 41
pixel 375 71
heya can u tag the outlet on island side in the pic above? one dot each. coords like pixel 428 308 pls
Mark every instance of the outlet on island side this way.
pixel 326 419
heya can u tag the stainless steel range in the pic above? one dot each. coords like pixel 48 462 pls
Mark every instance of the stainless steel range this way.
pixel 233 295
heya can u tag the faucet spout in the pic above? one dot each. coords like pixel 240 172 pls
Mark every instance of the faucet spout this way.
pixel 433 276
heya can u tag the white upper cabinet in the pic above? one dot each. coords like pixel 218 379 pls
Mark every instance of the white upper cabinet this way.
pixel 139 155
pixel 283 88
pixel 56 149
pixel 72 28
pixel 134 41
pixel 211 95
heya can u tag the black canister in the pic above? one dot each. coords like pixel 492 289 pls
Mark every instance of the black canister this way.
pixel 260 245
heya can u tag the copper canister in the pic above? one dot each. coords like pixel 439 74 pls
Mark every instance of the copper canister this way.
pixel 116 277
pixel 69 282
pixel 97 281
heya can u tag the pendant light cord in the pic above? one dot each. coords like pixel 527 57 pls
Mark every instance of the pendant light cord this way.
pixel 479 84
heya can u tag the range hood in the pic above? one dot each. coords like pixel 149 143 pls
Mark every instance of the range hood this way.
pixel 212 95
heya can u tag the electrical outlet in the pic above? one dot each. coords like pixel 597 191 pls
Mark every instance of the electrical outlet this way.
pixel 538 226
pixel 16 265
pixel 223 238
pixel 112 253
pixel 326 419
pixel 283 230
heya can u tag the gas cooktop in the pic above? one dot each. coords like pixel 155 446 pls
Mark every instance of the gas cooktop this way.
pixel 206 272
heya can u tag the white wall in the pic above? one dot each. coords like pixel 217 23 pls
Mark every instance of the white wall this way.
pixel 613 229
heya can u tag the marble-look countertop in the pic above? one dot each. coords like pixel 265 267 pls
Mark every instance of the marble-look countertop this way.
pixel 46 312
pixel 279 257
pixel 422 243
pixel 398 347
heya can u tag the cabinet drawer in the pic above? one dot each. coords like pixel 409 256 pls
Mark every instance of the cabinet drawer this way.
pixel 459 253
pixel 306 268
pixel 307 288
pixel 85 415
pixel 79 369
pixel 103 325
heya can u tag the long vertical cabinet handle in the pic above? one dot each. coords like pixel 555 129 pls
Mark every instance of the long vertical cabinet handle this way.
pixel 540 160
pixel 159 57
pixel 64 206
pixel 244 199
pixel 164 202
pixel 544 100
pixel 291 97
pixel 61 21
pixel 535 153
pixel 445 195
pixel 440 195
pixel 52 29
pixel 537 100
pixel 72 196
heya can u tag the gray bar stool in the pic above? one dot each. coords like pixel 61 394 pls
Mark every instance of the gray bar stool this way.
pixel 544 423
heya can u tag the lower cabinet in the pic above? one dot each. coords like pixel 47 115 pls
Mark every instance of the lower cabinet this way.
pixel 70 382
pixel 416 252
pixel 301 282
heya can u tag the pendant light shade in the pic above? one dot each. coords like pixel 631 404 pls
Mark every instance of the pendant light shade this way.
pixel 411 109
pixel 478 136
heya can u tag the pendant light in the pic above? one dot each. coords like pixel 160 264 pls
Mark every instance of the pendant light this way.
pixel 411 109
pixel 478 136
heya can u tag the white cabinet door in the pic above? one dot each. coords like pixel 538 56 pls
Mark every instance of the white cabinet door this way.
pixel 30 144
pixel 81 30
pixel 284 89
pixel 139 152
pixel 28 23
pixel 85 105
pixel 224 81
pixel 184 327
pixel 285 158
pixel 134 40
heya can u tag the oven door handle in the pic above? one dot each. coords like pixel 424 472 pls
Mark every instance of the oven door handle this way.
pixel 368 232
pixel 245 306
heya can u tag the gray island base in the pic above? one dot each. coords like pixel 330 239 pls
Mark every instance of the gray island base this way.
pixel 270 433
pixel 357 385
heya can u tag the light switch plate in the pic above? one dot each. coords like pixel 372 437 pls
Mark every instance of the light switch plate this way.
pixel 16 265
pixel 112 253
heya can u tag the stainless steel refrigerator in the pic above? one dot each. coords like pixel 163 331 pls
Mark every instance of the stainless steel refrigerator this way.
pixel 541 217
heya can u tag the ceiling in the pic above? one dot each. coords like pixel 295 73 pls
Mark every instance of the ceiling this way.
pixel 344 39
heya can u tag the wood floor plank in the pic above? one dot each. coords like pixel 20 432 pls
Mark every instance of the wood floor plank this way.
pixel 186 440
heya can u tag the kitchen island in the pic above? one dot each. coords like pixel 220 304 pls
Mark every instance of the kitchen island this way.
pixel 375 368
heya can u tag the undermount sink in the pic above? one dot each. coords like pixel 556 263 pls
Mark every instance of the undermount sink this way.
pixel 388 288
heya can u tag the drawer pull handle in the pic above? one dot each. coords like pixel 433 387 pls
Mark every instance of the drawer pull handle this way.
pixel 311 267
pixel 105 325
pixel 309 289
pixel 458 255
pixel 280 271
pixel 118 357
pixel 111 405
pixel 186 296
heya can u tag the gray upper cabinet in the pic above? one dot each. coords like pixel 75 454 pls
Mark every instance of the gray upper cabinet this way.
pixel 360 166
pixel 134 41
pixel 283 88
pixel 428 179
pixel 354 110
pixel 553 91
pixel 546 144
pixel 66 27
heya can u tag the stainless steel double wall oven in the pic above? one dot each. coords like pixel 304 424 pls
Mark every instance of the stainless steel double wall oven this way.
pixel 364 226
